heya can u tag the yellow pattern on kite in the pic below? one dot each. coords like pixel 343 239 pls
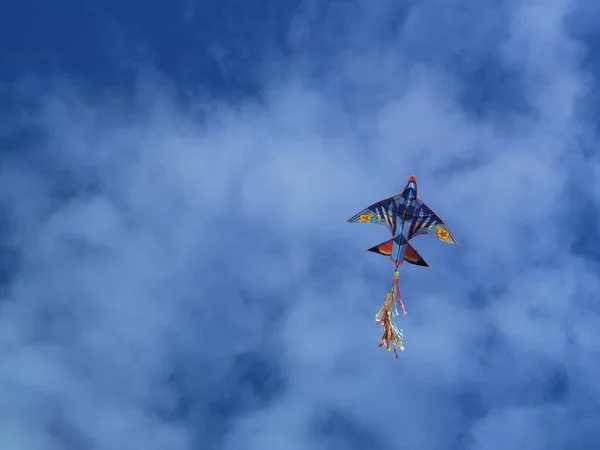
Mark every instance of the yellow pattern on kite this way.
pixel 442 234
pixel 366 218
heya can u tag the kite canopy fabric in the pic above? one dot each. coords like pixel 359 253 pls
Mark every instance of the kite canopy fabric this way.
pixel 406 216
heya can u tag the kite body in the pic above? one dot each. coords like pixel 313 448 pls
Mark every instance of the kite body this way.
pixel 406 216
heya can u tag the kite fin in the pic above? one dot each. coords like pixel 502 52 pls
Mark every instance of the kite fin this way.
pixel 411 256
pixel 385 248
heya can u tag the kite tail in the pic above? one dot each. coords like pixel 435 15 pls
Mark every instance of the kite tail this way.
pixel 397 292
pixel 392 336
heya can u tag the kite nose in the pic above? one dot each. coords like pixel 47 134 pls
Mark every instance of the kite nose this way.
pixel 413 179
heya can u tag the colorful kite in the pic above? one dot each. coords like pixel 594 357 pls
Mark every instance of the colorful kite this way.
pixel 405 216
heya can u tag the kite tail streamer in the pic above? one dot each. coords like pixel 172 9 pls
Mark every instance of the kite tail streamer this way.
pixel 397 292
pixel 392 336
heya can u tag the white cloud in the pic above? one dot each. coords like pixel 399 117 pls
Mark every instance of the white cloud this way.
pixel 195 241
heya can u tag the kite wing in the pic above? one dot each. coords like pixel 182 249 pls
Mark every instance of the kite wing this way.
pixel 426 221
pixel 383 212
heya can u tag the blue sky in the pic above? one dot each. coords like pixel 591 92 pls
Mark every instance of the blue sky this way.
pixel 176 271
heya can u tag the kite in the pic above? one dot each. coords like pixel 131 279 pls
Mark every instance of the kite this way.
pixel 406 216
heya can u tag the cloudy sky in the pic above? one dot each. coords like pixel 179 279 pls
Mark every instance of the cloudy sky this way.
pixel 175 270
